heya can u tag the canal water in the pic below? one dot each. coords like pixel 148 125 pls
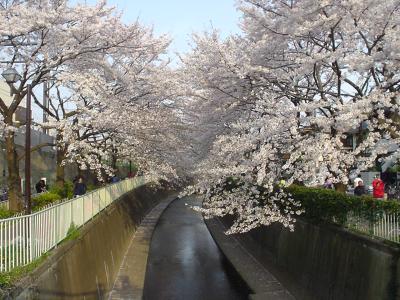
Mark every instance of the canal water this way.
pixel 184 261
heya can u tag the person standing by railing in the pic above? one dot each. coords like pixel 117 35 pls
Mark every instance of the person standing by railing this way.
pixel 41 186
pixel 378 188
pixel 79 187
pixel 357 180
pixel 359 190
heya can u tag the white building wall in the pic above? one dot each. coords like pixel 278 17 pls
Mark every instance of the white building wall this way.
pixel 5 94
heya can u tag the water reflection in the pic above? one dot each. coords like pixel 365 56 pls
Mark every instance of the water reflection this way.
pixel 184 261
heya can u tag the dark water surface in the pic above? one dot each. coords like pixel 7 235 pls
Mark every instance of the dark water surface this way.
pixel 184 261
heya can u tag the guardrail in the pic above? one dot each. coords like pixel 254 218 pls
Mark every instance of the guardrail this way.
pixel 387 226
pixel 25 238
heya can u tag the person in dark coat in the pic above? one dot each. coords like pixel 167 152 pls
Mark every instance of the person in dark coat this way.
pixel 115 179
pixel 79 187
pixel 40 186
pixel 359 190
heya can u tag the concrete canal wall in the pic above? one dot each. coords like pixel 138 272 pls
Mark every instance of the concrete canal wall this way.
pixel 326 262
pixel 86 268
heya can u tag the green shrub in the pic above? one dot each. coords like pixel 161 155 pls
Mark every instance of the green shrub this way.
pixel 69 189
pixel 57 190
pixel 331 206
pixel 5 213
pixel 65 192
pixel 44 199
pixel 90 187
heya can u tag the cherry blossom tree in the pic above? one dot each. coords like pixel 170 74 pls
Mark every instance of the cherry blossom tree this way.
pixel 305 75
pixel 44 40
pixel 95 101
pixel 334 60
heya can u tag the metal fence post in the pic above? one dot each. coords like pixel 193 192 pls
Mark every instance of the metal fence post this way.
pixel 83 209
pixel 91 197
pixel 72 219
pixel 59 224
pixel 54 213
pixel 30 238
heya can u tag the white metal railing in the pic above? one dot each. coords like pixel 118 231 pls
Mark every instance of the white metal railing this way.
pixel 387 226
pixel 25 238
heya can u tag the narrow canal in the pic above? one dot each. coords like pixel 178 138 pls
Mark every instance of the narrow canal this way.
pixel 184 261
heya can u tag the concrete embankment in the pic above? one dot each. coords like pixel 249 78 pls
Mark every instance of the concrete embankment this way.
pixel 86 268
pixel 325 262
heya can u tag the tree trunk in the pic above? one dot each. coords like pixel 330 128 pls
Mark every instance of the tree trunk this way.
pixel 340 187
pixel 60 156
pixel 14 181
pixel 114 162
pixel 60 168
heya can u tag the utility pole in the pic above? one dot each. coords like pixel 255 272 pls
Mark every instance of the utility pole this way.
pixel 28 151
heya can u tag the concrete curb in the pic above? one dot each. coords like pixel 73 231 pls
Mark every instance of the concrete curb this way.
pixel 129 283
pixel 260 281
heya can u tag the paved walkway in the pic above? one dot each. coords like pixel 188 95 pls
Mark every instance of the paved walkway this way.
pixel 261 281
pixel 184 261
pixel 130 281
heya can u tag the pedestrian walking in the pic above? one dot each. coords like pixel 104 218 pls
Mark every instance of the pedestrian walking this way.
pixel 79 187
pixel 378 188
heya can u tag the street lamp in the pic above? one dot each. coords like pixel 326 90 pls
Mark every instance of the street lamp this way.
pixel 11 76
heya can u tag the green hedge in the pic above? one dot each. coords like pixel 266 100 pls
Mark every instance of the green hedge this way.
pixel 44 199
pixel 67 191
pixel 91 187
pixel 331 206
pixel 5 213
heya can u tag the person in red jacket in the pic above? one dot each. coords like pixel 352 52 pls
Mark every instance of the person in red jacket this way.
pixel 378 188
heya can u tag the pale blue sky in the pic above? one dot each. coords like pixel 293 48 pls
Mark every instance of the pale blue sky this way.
pixel 180 18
